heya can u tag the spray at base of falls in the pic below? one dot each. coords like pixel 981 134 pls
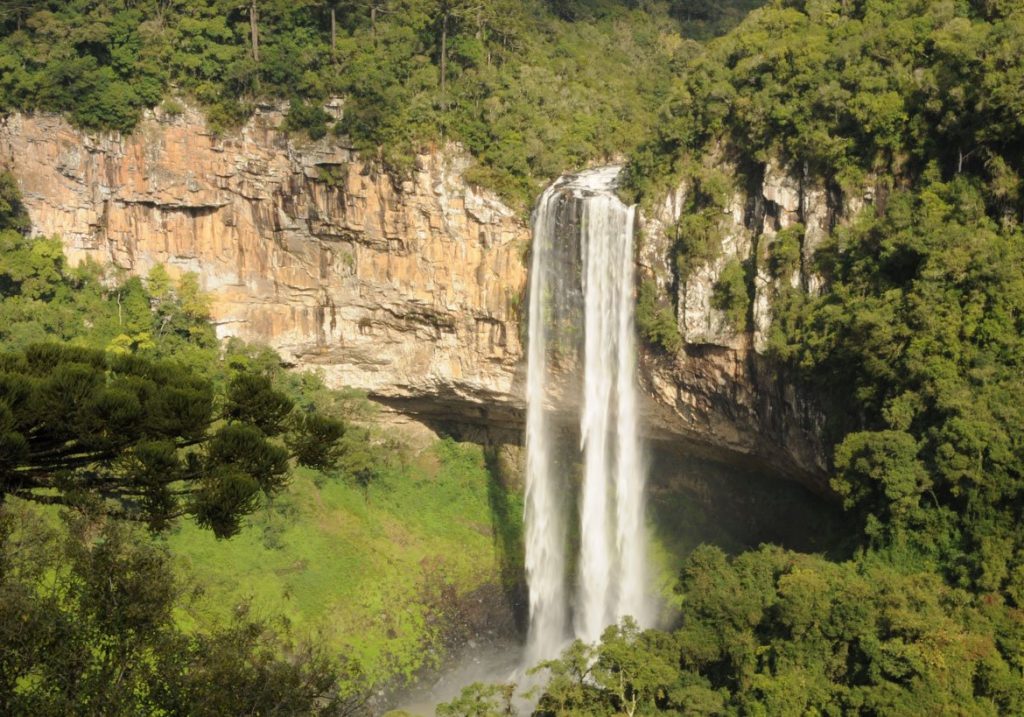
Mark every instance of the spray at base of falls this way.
pixel 581 301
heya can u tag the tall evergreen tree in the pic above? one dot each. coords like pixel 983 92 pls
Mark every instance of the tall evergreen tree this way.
pixel 146 436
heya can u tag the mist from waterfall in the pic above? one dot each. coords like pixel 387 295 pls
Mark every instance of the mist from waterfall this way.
pixel 581 363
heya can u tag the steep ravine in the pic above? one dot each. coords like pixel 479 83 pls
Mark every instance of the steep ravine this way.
pixel 410 288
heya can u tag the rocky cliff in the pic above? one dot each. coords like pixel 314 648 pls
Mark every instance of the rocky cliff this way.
pixel 723 384
pixel 408 288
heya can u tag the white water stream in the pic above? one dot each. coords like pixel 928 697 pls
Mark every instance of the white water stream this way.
pixel 590 295
pixel 544 514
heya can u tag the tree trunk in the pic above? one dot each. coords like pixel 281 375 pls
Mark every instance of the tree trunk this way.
pixel 254 29
pixel 334 31
pixel 444 56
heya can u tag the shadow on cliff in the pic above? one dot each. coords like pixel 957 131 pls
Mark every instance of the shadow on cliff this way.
pixel 692 500
pixel 507 521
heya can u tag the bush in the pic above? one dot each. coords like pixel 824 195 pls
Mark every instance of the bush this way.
pixel 731 295
pixel 784 252
pixel 172 107
pixel 657 324
pixel 309 118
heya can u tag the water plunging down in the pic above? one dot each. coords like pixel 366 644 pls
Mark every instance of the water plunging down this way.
pixel 581 280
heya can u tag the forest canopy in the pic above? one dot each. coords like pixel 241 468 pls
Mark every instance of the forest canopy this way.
pixel 529 87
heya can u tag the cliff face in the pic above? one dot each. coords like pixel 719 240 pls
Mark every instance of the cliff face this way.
pixel 409 289
pixel 722 383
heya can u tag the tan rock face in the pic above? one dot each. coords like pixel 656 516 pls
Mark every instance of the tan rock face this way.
pixel 405 288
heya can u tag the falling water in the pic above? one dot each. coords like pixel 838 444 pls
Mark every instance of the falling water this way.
pixel 544 514
pixel 581 353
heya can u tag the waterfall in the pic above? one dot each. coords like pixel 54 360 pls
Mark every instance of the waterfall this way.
pixel 581 365
pixel 543 514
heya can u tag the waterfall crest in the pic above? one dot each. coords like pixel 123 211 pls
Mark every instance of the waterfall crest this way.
pixel 581 366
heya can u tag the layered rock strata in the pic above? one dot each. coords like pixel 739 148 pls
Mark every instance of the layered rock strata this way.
pixel 407 288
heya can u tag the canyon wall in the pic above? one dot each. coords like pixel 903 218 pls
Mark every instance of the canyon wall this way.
pixel 410 288
pixel 407 288
pixel 723 383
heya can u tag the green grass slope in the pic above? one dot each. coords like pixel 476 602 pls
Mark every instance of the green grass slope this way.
pixel 374 573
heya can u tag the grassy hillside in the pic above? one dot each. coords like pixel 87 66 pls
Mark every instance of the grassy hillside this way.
pixel 378 573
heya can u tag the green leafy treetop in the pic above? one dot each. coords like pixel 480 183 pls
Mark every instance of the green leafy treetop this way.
pixel 12 211
pixel 148 436
pixel 88 627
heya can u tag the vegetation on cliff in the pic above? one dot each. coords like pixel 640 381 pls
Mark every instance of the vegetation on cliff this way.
pixel 351 559
pixel 530 88
pixel 922 314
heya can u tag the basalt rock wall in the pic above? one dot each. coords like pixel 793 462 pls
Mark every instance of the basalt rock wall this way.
pixel 724 383
pixel 405 287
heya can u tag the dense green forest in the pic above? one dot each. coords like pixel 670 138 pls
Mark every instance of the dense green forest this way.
pixel 922 316
pixel 915 345
pixel 530 87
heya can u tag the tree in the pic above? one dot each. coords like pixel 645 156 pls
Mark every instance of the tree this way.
pixel 12 212
pixel 636 668
pixel 32 268
pixel 87 626
pixel 730 295
pixel 879 474
pixel 355 459
pixel 469 17
pixel 317 444
pixel 480 700
pixel 656 324
pixel 254 30
pixel 334 29
pixel 145 436
pixel 570 688
pixel 17 10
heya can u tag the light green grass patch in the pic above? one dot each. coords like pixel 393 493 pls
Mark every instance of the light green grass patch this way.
pixel 356 570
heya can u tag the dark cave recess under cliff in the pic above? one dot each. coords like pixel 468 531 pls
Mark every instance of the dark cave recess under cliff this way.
pixel 696 493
